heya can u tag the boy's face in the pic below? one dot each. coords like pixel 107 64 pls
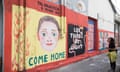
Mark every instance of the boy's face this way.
pixel 79 7
pixel 48 35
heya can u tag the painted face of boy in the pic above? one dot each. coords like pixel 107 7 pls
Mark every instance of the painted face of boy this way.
pixel 48 35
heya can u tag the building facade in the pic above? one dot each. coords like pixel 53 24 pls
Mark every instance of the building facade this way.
pixel 103 12
pixel 73 30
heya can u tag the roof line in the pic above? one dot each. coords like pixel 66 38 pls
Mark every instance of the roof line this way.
pixel 113 7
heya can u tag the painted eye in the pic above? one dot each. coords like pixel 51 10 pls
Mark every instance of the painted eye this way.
pixel 54 34
pixel 43 34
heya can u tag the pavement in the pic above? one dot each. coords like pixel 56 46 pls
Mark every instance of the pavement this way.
pixel 99 63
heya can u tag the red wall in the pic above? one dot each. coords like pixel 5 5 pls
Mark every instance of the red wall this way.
pixel 71 18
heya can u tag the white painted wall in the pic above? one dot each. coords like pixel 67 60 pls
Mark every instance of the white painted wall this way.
pixel 102 10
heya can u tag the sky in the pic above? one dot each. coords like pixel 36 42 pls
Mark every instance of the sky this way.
pixel 117 5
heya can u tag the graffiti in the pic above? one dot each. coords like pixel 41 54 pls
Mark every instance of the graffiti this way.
pixel 76 40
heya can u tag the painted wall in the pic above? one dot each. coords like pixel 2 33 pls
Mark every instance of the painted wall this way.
pixel 79 6
pixel 101 10
pixel 32 44
pixel 42 32
pixel 101 7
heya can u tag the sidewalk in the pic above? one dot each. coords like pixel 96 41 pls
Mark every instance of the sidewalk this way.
pixel 99 63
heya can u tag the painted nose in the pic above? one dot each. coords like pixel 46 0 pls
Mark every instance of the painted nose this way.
pixel 49 40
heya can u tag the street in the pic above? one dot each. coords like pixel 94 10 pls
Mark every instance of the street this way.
pixel 99 63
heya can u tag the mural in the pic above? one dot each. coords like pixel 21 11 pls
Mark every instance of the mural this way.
pixel 76 40
pixel 40 33
pixel 37 36
pixel 79 6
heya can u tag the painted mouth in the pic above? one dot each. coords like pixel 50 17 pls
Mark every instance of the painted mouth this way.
pixel 49 44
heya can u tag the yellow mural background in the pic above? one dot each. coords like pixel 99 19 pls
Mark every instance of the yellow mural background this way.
pixel 31 44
